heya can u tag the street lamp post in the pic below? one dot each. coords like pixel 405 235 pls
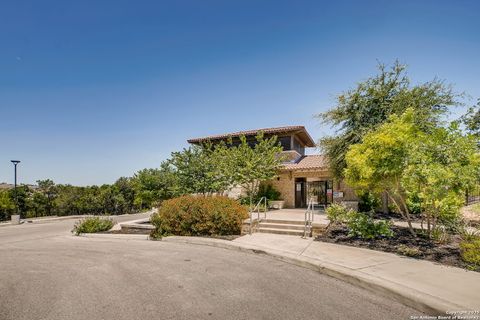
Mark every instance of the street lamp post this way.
pixel 15 218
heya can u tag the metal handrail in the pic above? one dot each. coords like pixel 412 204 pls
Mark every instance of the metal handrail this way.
pixel 309 216
pixel 257 210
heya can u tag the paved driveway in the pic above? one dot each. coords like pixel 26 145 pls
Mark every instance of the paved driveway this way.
pixel 46 273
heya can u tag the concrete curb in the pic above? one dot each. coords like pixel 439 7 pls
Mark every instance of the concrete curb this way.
pixel 115 236
pixel 56 218
pixel 408 296
pixel 41 220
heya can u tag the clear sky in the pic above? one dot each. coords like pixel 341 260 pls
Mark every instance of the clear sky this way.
pixel 94 90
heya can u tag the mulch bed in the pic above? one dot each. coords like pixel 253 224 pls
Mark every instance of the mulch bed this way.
pixel 395 216
pixel 419 247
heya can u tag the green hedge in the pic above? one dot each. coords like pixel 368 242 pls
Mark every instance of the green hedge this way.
pixel 198 216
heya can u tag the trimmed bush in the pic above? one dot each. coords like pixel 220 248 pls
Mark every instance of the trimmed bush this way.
pixel 92 225
pixel 360 225
pixel 338 214
pixel 363 226
pixel 199 216
pixel 470 251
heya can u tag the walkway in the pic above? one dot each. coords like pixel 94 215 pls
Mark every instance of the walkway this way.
pixel 444 288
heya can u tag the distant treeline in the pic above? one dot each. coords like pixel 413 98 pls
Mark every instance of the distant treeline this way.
pixel 203 170
pixel 126 195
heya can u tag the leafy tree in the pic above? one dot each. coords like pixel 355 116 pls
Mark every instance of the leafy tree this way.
pixel 441 168
pixel 379 162
pixel 126 188
pixel 197 170
pixel 7 206
pixel 472 121
pixel 23 198
pixel 364 108
pixel 402 160
pixel 44 198
pixel 154 185
pixel 248 166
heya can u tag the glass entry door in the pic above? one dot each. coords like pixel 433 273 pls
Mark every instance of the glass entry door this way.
pixel 300 194
pixel 320 191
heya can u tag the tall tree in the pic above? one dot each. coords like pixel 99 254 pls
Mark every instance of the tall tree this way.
pixel 441 167
pixel 402 160
pixel 196 170
pixel 45 197
pixel 364 108
pixel 7 205
pixel 472 121
pixel 248 166
pixel 154 185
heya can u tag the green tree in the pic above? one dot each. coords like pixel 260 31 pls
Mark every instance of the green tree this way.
pixel 7 205
pixel 23 198
pixel 402 160
pixel 126 188
pixel 364 108
pixel 379 162
pixel 154 185
pixel 441 168
pixel 472 121
pixel 44 197
pixel 248 166
pixel 197 170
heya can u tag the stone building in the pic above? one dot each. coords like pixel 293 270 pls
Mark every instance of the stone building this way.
pixel 302 176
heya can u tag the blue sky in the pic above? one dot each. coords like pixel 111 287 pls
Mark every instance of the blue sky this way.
pixel 94 90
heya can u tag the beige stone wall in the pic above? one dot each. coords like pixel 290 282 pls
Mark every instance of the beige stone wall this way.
pixel 285 183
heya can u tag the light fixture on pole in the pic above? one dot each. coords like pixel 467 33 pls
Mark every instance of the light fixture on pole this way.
pixel 16 218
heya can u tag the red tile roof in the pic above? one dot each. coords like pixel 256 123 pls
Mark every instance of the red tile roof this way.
pixel 270 131
pixel 311 162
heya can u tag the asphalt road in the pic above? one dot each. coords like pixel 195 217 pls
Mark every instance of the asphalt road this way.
pixel 46 273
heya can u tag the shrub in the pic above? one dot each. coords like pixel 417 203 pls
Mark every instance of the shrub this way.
pixel 470 252
pixel 440 235
pixel 408 251
pixel 338 214
pixel 468 233
pixel 363 226
pixel 264 190
pixel 414 204
pixel 198 216
pixel 92 225
pixel 368 202
pixel 359 224
pixel 268 191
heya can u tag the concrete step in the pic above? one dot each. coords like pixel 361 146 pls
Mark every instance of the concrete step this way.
pixel 280 221
pixel 281 231
pixel 271 225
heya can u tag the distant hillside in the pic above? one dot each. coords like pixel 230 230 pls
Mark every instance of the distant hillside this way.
pixel 4 185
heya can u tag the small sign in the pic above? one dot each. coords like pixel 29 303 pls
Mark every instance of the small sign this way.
pixel 338 194
pixel 299 187
pixel 329 191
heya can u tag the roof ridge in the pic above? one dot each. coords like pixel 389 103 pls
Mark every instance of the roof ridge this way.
pixel 271 130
